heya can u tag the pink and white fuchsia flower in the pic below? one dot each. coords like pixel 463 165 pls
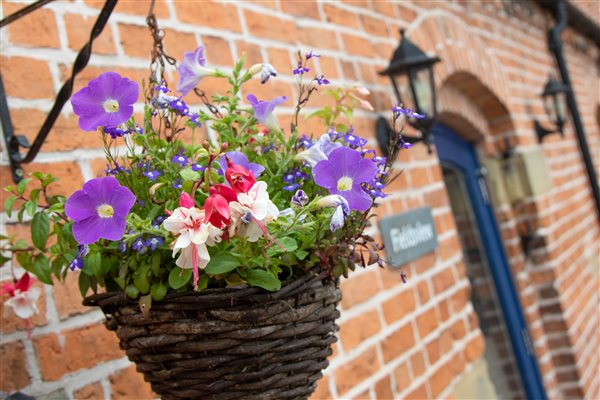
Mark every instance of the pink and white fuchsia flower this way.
pixel 23 299
pixel 195 234
pixel 252 212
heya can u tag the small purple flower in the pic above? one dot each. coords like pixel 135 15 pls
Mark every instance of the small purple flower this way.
pixel 343 172
pixel 300 70
pixel 292 187
pixel 152 175
pixel 193 119
pixel 139 245
pixel 239 158
pixel 180 159
pixel 321 80
pixel 407 111
pixel 77 263
pixel 192 69
pixel 263 110
pixel 99 210
pixel 117 169
pixel 353 140
pixel 158 221
pixel 304 142
pixel 379 160
pixel 403 276
pixel 310 55
pixel 179 106
pixel 106 101
pixel 114 132
pixel 177 184
pixel 122 247
pixel 198 168
pixel 153 242
pixel 300 198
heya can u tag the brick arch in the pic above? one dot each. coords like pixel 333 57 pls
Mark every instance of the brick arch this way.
pixel 460 113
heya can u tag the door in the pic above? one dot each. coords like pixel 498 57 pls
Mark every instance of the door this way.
pixel 509 352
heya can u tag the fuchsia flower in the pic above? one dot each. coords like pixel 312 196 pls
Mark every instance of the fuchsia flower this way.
pixel 23 301
pixel 99 210
pixel 194 234
pixel 216 206
pixel 343 173
pixel 106 101
pixel 252 212
pixel 240 179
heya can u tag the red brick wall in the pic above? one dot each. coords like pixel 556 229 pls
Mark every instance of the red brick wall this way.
pixel 397 340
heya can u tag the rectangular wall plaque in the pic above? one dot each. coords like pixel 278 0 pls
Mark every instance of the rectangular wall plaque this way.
pixel 408 235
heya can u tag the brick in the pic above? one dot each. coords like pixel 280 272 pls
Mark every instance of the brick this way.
pixel 136 40
pixel 426 322
pixel 37 29
pixel 253 53
pixel 419 393
pixel 78 32
pixel 475 348
pixel 302 9
pixel 417 362
pixel 348 70
pixel 13 368
pixel 269 27
pixel 132 7
pixel 383 389
pixel 398 306
pixel 93 391
pixel 209 14
pixel 443 280
pixel 317 38
pixel 177 43
pixel 338 16
pixel 440 380
pixel 354 331
pixel 68 297
pixel 355 371
pixel 217 50
pixel 357 290
pixel 397 343
pixel 26 78
pixel 322 390
pixel 423 292
pixel 83 348
pixel 281 60
pixel 357 45
pixel 375 26
pixel 129 384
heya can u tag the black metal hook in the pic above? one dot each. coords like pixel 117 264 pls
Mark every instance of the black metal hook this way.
pixel 15 142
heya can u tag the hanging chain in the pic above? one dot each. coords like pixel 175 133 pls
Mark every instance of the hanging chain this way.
pixel 158 55
pixel 212 108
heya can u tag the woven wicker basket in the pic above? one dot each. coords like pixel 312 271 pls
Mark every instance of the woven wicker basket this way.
pixel 234 343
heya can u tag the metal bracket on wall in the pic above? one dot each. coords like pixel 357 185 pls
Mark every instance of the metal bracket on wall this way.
pixel 13 142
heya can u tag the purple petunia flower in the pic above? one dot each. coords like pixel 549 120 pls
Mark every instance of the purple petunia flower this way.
pixel 239 158
pixel 341 212
pixel 263 110
pixel 99 210
pixel 300 198
pixel 343 172
pixel 192 69
pixel 106 101
pixel 266 72
pixel 319 151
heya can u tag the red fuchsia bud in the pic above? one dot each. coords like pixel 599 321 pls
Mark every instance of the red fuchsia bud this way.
pixel 186 201
pixel 240 179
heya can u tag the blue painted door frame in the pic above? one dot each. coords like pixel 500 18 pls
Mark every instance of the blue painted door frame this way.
pixel 460 155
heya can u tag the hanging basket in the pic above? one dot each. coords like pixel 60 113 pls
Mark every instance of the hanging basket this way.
pixel 232 343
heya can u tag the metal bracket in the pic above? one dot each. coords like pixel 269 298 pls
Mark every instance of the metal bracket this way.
pixel 542 132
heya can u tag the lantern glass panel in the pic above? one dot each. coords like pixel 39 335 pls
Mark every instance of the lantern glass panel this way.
pixel 559 101
pixel 403 91
pixel 421 81
pixel 550 107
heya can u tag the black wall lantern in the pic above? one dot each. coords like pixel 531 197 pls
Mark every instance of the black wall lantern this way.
pixel 411 73
pixel 554 97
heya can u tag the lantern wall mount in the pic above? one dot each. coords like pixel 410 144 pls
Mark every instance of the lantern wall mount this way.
pixel 411 74
pixel 554 97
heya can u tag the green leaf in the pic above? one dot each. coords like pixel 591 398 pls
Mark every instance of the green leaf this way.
pixel 8 205
pixel 263 279
pixel 288 243
pixel 40 229
pixel 202 282
pixel 140 279
pixel 4 260
pixel 158 291
pixel 178 277
pixel 155 263
pixel 25 260
pixel 92 264
pixel 187 174
pixel 35 193
pixel 221 263
pixel 31 207
pixel 84 284
pixel 132 291
pixel 301 254
pixel 22 185
pixel 41 268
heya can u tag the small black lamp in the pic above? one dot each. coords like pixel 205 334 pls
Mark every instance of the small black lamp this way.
pixel 554 97
pixel 411 73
